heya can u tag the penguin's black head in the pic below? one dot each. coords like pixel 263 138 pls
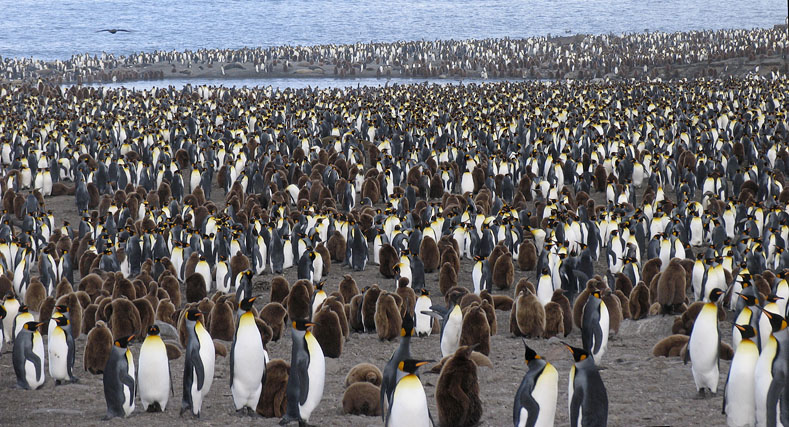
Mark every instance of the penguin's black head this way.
pixel 715 293
pixel 3 312
pixel 425 292
pixel 579 354
pixel 750 300
pixel 302 324
pixel 746 331
pixel 319 285
pixel 153 330
pixel 773 298
pixel 194 315
pixel 61 321
pixel 23 309
pixel 32 326
pixel 529 354
pixel 62 308
pixel 246 303
pixel 408 325
pixel 777 322
pixel 124 341
pixel 411 365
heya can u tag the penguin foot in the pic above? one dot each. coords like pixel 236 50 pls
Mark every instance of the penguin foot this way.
pixel 57 383
pixel 74 380
pixel 241 412
pixel 287 419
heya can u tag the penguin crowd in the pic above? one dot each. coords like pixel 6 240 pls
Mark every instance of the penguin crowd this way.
pixel 619 200
pixel 636 55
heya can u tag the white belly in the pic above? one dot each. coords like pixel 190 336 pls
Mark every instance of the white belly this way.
pixel 544 291
pixel 703 355
pixel 545 393
pixel 604 326
pixel 740 409
pixel 451 336
pixel 154 380
pixel 409 409
pixel 762 379
pixel 58 356
pixel 422 322
pixel 249 366
pixel 316 372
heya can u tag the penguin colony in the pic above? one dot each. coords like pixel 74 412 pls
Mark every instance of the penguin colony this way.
pixel 187 199
pixel 638 55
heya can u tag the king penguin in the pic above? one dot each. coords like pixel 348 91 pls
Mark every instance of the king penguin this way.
pixel 402 352
pixel 28 357
pixel 535 400
pixel 248 359
pixel 767 366
pixel 703 346
pixel 409 401
pixel 307 375
pixel 198 364
pixel 3 314
pixel 738 395
pixel 119 380
pixel 586 392
pixel 61 351
pixel 154 374
pixel 595 326
pixel 451 323
pixel 423 323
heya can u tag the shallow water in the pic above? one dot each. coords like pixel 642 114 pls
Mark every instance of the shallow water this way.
pixel 52 30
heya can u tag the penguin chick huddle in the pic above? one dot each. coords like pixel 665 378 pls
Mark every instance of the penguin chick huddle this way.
pixel 625 200
pixel 636 55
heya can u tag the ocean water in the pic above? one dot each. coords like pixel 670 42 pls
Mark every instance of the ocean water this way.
pixel 56 30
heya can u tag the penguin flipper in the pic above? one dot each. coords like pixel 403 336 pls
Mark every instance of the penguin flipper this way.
pixel 70 358
pixel 532 407
pixel 33 357
pixel 575 406
pixel 304 379
pixel 197 365
pixel 773 395
pixel 232 359
pixel 128 381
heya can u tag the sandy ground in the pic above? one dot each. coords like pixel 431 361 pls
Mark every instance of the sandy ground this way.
pixel 642 390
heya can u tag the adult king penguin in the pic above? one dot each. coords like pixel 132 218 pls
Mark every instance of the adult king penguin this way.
pixel 535 400
pixel 153 377
pixel 61 351
pixel 198 364
pixel 119 380
pixel 28 357
pixel 587 396
pixel 409 402
pixel 738 397
pixel 703 346
pixel 307 375
pixel 595 326
pixel 248 360
pixel 402 352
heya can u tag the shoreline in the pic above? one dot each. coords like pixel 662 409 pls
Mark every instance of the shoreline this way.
pixel 666 56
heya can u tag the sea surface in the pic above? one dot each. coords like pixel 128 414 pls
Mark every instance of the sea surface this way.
pixel 58 29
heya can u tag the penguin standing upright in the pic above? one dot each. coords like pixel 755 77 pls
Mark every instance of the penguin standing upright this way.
pixel 402 352
pixel 318 296
pixel 451 324
pixel 738 397
pixel 307 374
pixel 535 400
pixel 153 377
pixel 28 357
pixel 586 392
pixel 119 380
pixel 767 366
pixel 11 306
pixel 595 326
pixel 61 351
pixel 3 314
pixel 423 323
pixel 703 346
pixel 409 401
pixel 248 360
pixel 198 364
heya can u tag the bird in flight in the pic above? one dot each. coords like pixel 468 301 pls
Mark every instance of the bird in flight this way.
pixel 114 30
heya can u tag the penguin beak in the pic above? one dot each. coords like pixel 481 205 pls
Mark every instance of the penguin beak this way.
pixel 131 337
pixel 308 324
pixel 422 363
pixel 740 328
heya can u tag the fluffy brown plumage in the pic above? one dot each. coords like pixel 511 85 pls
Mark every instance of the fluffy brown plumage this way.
pixel 639 302
pixel 274 314
pixel 348 288
pixel 97 348
pixel 364 372
pixel 554 320
pixel 279 289
pixel 222 323
pixel 299 306
pixel 428 253
pixel 387 317
pixel 527 256
pixel 529 315
pixel 671 287
pixel 273 399
pixel 475 329
pixel 369 305
pixel 447 278
pixel 457 391
pixel 328 333
pixel 362 398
